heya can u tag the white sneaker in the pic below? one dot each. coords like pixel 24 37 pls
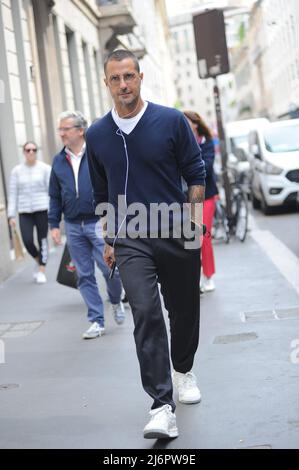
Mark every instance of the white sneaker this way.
pixel 94 331
pixel 201 286
pixel 118 313
pixel 40 278
pixel 35 272
pixel 208 284
pixel 186 385
pixel 162 424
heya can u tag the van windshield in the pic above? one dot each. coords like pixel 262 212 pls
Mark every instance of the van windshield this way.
pixel 282 139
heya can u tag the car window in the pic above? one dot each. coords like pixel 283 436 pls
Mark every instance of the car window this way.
pixel 282 139
pixel 238 141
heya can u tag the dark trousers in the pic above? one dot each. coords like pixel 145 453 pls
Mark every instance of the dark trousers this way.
pixel 39 220
pixel 142 264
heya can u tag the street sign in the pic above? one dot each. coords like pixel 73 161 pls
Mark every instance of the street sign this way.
pixel 210 41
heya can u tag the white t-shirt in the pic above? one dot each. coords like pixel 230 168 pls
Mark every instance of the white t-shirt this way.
pixel 76 160
pixel 127 125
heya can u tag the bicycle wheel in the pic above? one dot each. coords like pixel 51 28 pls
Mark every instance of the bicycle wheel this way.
pixel 241 216
pixel 220 224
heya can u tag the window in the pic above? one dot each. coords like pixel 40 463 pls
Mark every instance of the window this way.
pixel 74 69
pixel 186 38
pixel 59 61
pixel 176 41
pixel 88 79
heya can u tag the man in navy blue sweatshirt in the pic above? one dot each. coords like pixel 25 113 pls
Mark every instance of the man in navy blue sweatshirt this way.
pixel 70 193
pixel 140 151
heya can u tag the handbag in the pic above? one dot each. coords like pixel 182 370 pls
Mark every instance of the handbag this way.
pixel 67 274
pixel 17 245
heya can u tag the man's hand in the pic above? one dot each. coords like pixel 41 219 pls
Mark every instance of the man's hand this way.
pixel 12 222
pixel 56 236
pixel 108 255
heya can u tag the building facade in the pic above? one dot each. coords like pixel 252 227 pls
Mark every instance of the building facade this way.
pixel 281 55
pixel 193 93
pixel 270 56
pixel 51 59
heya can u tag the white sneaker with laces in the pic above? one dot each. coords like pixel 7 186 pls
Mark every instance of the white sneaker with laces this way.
pixel 118 313
pixel 94 331
pixel 40 278
pixel 187 388
pixel 162 424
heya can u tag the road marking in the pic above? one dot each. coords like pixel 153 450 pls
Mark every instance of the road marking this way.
pixel 281 256
pixel 252 223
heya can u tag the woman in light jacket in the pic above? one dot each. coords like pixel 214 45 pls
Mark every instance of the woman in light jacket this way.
pixel 28 197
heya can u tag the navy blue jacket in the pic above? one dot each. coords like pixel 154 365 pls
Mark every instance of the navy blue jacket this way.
pixel 208 155
pixel 62 191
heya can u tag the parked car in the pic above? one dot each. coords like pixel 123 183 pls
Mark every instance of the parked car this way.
pixel 274 160
pixel 236 133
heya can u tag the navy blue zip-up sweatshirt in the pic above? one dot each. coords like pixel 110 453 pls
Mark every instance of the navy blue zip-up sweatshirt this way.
pixel 63 195
pixel 161 149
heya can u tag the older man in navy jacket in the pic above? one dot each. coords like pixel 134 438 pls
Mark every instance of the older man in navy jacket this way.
pixel 71 194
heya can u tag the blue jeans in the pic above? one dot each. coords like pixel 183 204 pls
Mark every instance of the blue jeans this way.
pixel 86 247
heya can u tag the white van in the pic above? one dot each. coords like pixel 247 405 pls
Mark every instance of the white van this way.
pixel 274 159
pixel 237 132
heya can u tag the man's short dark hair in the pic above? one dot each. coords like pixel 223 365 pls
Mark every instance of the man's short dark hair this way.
pixel 119 55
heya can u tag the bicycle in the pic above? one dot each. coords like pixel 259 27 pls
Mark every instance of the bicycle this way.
pixel 237 224
pixel 220 229
pixel 239 206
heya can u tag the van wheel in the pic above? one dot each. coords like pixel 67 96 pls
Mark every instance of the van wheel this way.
pixel 256 204
pixel 267 210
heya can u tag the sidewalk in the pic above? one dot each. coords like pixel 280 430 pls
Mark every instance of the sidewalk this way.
pixel 64 392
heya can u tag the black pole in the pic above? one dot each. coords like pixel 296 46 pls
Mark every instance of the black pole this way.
pixel 223 151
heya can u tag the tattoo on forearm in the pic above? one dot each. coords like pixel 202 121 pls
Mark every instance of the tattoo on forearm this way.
pixel 196 194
